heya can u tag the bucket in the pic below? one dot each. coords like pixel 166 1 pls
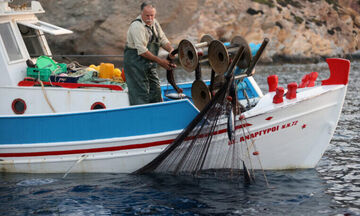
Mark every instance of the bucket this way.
pixel 106 70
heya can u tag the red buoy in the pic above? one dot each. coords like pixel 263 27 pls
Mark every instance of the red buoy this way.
pixel 255 153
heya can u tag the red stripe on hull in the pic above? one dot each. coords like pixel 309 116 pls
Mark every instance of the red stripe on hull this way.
pixel 82 151
pixel 109 149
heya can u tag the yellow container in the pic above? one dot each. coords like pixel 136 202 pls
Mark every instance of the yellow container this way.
pixel 97 68
pixel 106 70
pixel 117 72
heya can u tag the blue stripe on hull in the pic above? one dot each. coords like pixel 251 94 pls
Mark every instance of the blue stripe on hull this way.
pixel 100 124
pixel 186 87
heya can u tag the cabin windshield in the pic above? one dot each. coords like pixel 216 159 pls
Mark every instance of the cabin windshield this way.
pixel 11 45
pixel 32 40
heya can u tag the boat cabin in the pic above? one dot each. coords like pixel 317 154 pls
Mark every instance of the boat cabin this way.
pixel 22 40
pixel 22 35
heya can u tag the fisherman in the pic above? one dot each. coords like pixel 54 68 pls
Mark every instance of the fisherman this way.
pixel 144 38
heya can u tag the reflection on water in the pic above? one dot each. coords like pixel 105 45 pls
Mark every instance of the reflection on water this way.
pixel 332 188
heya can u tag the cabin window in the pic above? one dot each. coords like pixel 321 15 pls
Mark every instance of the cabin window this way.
pixel 45 27
pixel 9 41
pixel 32 40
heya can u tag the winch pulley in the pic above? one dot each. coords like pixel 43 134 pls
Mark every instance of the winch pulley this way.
pixel 218 55
pixel 191 54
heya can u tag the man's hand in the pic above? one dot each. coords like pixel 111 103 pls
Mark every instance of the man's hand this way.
pixel 170 54
pixel 169 48
pixel 162 62
pixel 166 64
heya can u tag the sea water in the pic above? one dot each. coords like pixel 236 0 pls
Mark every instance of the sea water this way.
pixel 332 188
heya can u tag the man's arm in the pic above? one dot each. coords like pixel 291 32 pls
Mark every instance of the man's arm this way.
pixel 162 62
pixel 169 48
pixel 164 42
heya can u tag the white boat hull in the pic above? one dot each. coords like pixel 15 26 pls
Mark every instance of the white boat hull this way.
pixel 55 129
pixel 298 133
pixel 290 135
pixel 130 157
pixel 40 100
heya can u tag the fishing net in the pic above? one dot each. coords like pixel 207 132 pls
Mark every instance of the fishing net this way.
pixel 209 141
pixel 202 148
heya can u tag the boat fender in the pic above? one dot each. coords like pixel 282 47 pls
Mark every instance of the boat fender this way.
pixel 272 82
pixel 291 93
pixel 278 97
pixel 312 78
pixel 304 81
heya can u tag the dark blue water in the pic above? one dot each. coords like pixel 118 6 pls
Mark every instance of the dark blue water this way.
pixel 297 192
pixel 333 188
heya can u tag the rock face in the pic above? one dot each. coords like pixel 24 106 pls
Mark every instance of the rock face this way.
pixel 306 29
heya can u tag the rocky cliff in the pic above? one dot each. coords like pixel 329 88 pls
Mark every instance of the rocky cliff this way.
pixel 306 29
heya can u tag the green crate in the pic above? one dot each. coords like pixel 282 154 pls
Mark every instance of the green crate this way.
pixel 44 73
pixel 62 68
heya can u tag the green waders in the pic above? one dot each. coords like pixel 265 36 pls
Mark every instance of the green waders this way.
pixel 141 76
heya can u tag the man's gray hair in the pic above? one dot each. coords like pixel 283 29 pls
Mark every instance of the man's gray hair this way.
pixel 146 3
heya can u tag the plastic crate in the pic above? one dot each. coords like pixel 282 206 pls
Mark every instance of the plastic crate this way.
pixel 44 73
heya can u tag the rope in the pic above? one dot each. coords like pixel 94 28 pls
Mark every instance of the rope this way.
pixel 254 146
pixel 45 96
pixel 247 148
pixel 82 157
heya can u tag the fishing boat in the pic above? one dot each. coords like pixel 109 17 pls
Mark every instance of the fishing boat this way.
pixel 50 125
